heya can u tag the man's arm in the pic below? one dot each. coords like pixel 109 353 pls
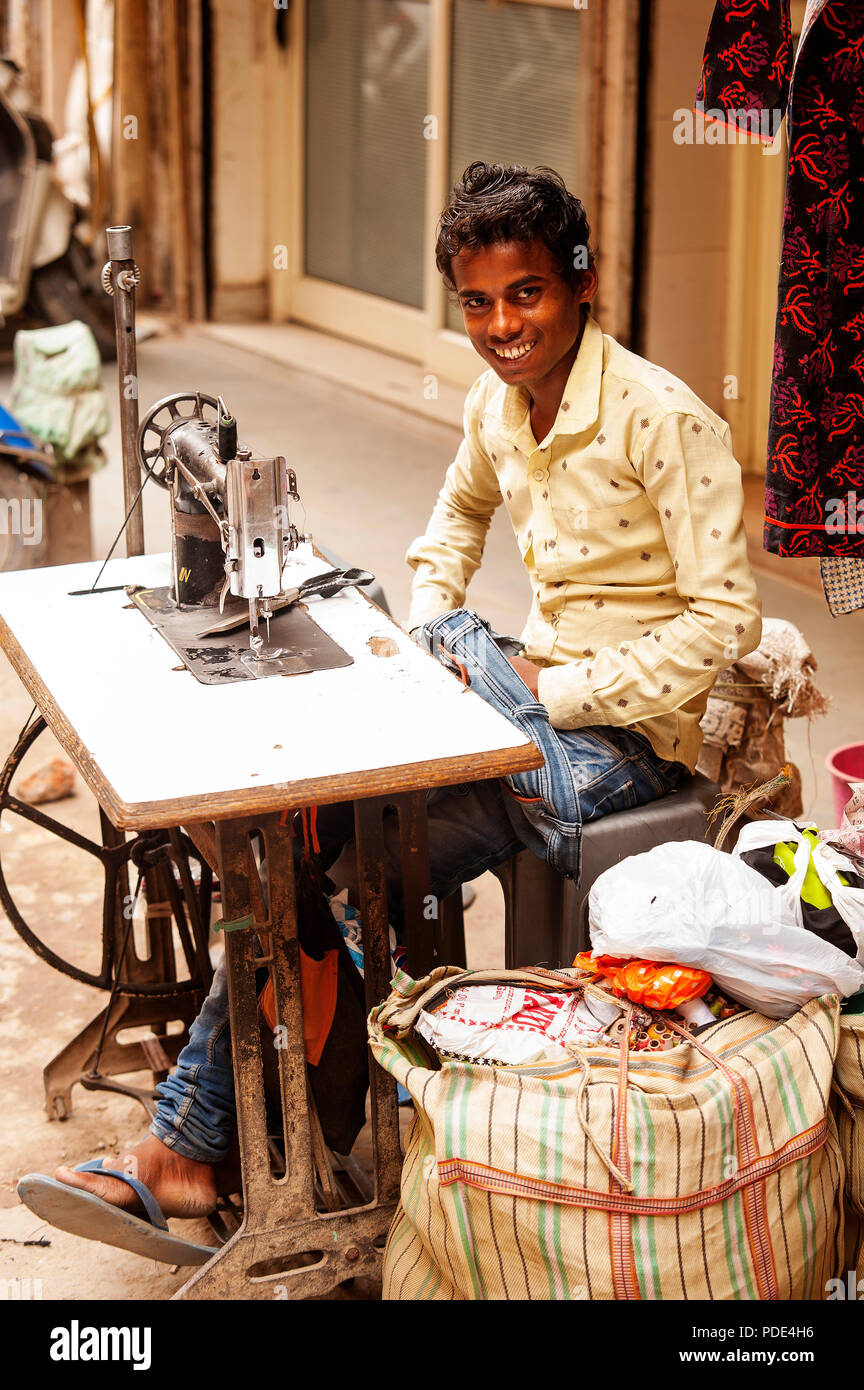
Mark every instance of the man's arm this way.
pixel 693 480
pixel 446 557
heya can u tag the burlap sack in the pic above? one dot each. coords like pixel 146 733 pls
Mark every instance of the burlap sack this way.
pixel 709 1171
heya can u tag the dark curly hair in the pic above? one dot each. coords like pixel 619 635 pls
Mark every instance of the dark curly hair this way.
pixel 501 202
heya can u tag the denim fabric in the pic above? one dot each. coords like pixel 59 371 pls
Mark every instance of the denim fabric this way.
pixel 587 772
pixel 195 1115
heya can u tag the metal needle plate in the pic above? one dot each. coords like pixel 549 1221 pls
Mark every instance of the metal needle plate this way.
pixel 217 660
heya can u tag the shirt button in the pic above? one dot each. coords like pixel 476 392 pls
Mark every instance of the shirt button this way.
pixel 539 474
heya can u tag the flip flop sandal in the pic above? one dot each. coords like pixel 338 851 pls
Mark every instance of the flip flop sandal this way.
pixel 84 1214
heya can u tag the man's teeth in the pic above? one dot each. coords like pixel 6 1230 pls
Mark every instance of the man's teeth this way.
pixel 515 351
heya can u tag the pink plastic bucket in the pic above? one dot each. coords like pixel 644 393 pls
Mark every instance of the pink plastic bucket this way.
pixel 846 765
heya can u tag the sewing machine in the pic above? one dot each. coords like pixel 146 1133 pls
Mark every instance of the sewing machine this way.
pixel 233 546
pixel 233 540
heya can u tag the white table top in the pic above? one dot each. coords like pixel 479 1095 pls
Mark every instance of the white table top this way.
pixel 159 748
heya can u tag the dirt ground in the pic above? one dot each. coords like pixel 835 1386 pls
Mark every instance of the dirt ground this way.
pixel 369 474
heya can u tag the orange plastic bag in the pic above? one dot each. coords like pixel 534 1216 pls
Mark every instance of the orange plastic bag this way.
pixel 599 965
pixel 657 986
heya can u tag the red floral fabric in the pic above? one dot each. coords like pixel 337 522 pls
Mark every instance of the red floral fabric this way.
pixel 814 487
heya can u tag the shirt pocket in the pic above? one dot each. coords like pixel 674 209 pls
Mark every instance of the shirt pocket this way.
pixel 608 519
pixel 628 535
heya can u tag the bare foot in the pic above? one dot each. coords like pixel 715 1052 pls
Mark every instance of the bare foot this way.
pixel 181 1186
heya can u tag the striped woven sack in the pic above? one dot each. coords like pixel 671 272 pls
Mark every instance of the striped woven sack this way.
pixel 710 1171
pixel 849 1078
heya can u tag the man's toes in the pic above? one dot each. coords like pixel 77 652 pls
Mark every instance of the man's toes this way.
pixel 109 1189
pixel 72 1178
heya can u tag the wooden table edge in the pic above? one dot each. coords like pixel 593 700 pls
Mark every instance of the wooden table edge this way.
pixel 250 801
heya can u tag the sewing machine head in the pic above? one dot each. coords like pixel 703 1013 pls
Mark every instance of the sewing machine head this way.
pixel 231 528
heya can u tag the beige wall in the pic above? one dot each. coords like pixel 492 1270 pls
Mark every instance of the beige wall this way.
pixel 687 263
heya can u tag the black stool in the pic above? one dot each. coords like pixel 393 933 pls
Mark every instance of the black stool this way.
pixel 546 914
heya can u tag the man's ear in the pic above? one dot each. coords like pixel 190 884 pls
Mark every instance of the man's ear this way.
pixel 588 285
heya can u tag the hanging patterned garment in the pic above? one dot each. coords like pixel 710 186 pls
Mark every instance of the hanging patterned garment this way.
pixel 843 582
pixel 814 490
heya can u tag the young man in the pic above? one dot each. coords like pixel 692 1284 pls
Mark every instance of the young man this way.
pixel 626 504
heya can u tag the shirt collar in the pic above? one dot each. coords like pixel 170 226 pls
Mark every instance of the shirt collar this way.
pixel 580 403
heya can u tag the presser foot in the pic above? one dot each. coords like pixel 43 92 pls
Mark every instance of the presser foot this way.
pixel 282 663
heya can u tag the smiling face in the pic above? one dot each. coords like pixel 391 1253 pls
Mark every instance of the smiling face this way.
pixel 522 317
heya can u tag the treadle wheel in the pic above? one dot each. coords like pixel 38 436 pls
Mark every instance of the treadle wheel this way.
pixel 157 423
pixel 164 855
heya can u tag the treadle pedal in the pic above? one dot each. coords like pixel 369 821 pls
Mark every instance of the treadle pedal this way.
pixel 94 1081
pixel 226 1220
pixel 361 1180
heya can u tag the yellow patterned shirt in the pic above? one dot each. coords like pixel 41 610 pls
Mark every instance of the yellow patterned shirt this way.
pixel 628 517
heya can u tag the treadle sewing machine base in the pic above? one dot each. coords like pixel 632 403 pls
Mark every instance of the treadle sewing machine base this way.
pixel 285 1240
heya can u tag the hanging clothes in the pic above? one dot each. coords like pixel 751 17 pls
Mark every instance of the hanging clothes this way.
pixel 814 488
pixel 843 582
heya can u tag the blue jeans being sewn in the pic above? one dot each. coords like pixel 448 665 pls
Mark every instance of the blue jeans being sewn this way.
pixel 586 772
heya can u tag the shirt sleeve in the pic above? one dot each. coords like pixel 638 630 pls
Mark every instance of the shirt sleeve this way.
pixel 694 482
pixel 446 557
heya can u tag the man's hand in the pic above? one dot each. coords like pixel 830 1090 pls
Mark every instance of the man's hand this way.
pixel 528 671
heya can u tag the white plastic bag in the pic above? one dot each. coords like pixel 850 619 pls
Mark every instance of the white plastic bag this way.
pixel 516 1025
pixel 687 902
pixel 57 388
pixel 827 861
